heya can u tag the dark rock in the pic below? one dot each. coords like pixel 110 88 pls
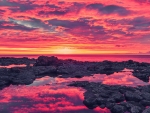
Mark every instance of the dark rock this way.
pixel 136 104
pixel 118 109
pixel 118 97
pixel 41 70
pixel 131 96
pixel 111 100
pixel 78 76
pixel 80 84
pixel 146 110
pixel 145 88
pixel 101 101
pixel 146 95
pixel 5 61
pixel 109 105
pixel 136 109
pixel 102 106
pixel 142 76
pixel 127 105
pixel 90 103
pixel 47 61
pixel 145 103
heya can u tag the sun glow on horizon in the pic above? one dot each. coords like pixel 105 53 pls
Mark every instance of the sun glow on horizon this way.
pixel 65 50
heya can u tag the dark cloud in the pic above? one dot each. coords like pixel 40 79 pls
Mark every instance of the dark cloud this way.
pixel 52 12
pixel 25 6
pixel 80 27
pixel 140 22
pixel 114 9
pixel 95 6
pixel 16 6
pixel 14 26
pixel 68 23
pixel 109 9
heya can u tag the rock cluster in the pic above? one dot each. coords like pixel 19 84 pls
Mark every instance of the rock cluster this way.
pixel 67 68
pixel 119 99
pixel 4 61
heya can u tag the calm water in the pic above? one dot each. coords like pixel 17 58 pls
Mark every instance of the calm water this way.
pixel 13 65
pixel 139 58
pixel 52 95
pixel 45 95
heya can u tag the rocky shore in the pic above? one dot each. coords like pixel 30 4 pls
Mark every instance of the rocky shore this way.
pixel 5 61
pixel 53 66
pixel 118 99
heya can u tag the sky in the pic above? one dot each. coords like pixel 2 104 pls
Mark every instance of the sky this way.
pixel 74 27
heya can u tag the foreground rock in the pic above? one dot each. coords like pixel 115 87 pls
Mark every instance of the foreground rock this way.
pixel 119 99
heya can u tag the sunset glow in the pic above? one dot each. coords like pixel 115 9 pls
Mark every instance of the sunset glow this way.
pixel 74 27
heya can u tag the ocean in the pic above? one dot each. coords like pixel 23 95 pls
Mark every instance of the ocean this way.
pixel 138 58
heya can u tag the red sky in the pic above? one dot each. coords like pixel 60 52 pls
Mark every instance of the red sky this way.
pixel 74 27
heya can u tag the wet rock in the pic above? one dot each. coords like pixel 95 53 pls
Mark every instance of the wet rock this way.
pixel 41 70
pixel 142 76
pixel 80 84
pixel 78 76
pixel 102 106
pixel 130 62
pixel 47 61
pixel 90 103
pixel 146 96
pixel 136 109
pixel 146 110
pixel 3 83
pixel 131 96
pixel 93 68
pixel 145 88
pixel 127 105
pixel 101 101
pixel 113 99
pixel 145 103
pixel 23 78
pixel 110 105
pixel 136 104
pixel 4 61
pixel 118 109
pixel 118 97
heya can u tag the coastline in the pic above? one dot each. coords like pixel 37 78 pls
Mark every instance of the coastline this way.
pixel 97 94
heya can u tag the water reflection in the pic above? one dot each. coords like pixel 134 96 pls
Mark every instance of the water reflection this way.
pixel 139 58
pixel 124 77
pixel 41 97
pixel 52 95
pixel 13 65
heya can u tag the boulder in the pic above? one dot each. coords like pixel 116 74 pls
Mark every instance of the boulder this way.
pixel 132 96
pixel 90 103
pixel 118 109
pixel 136 109
pixel 146 110
pixel 47 61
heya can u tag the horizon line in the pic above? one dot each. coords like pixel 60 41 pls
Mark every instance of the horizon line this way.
pixel 63 54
